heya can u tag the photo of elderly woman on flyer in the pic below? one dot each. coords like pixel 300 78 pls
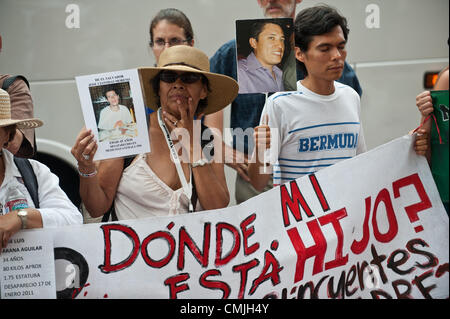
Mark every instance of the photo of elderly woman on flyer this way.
pixel 180 89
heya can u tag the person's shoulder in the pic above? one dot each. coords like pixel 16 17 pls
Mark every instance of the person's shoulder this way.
pixel 350 78
pixel 346 89
pixel 40 169
pixel 242 64
pixel 18 86
pixel 224 60
pixel 226 50
pixel 3 77
pixel 347 94
pixel 227 47
pixel 442 81
pixel 278 99
pixel 348 69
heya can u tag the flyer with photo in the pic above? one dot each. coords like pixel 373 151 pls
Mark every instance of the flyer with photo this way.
pixel 113 108
pixel 265 55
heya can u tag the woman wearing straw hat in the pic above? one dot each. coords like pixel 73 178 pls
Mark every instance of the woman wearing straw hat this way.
pixel 176 177
pixel 19 212
pixel 170 27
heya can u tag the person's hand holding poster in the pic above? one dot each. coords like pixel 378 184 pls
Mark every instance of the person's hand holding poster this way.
pixel 114 110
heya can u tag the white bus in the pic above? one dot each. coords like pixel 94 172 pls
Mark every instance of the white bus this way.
pixel 392 43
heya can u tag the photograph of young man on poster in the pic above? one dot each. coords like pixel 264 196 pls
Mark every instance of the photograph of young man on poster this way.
pixel 264 52
pixel 114 111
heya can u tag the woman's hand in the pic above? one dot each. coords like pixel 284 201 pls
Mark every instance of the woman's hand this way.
pixel 184 127
pixel 84 150
pixel 9 225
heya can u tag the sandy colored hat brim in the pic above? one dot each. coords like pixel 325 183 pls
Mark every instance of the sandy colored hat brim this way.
pixel 182 58
pixel 5 115
pixel 223 89
pixel 22 124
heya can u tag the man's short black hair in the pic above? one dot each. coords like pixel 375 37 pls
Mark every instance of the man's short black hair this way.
pixel 108 89
pixel 314 21
pixel 258 26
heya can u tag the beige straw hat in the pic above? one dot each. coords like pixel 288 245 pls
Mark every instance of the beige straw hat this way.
pixel 5 114
pixel 223 89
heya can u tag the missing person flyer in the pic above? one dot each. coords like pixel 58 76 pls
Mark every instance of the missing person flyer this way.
pixel 27 266
pixel 113 108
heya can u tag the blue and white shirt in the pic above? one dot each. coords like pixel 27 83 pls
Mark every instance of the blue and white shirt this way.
pixel 246 108
pixel 311 131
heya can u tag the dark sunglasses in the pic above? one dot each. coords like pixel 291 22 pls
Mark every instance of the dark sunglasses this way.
pixel 187 77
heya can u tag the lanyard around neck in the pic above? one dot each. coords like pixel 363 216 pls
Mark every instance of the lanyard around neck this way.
pixel 187 187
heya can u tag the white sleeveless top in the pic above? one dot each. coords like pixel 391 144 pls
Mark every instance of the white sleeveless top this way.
pixel 143 194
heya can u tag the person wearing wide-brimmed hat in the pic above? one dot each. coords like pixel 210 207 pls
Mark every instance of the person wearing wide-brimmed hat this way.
pixel 55 208
pixel 179 88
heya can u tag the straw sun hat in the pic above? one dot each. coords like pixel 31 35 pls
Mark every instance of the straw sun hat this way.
pixel 223 89
pixel 5 114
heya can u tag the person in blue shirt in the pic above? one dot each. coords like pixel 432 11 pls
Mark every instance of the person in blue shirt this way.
pixel 246 108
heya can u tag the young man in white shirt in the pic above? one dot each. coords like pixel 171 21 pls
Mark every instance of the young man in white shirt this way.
pixel 319 124
pixel 115 115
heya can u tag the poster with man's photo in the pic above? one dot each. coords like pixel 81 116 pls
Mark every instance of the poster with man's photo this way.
pixel 265 55
pixel 113 108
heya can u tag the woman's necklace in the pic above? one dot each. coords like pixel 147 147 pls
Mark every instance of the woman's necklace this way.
pixel 187 187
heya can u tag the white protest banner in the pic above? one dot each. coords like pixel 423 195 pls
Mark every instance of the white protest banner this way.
pixel 370 227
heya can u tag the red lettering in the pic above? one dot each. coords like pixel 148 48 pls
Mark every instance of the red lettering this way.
pixel 319 193
pixel 414 209
pixel 186 240
pixel 359 246
pixel 269 262
pixel 383 196
pixel 303 253
pixel 107 267
pixel 293 203
pixel 246 233
pixel 164 261
pixel 243 269
pixel 334 218
pixel 173 283
pixel 220 261
pixel 212 284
